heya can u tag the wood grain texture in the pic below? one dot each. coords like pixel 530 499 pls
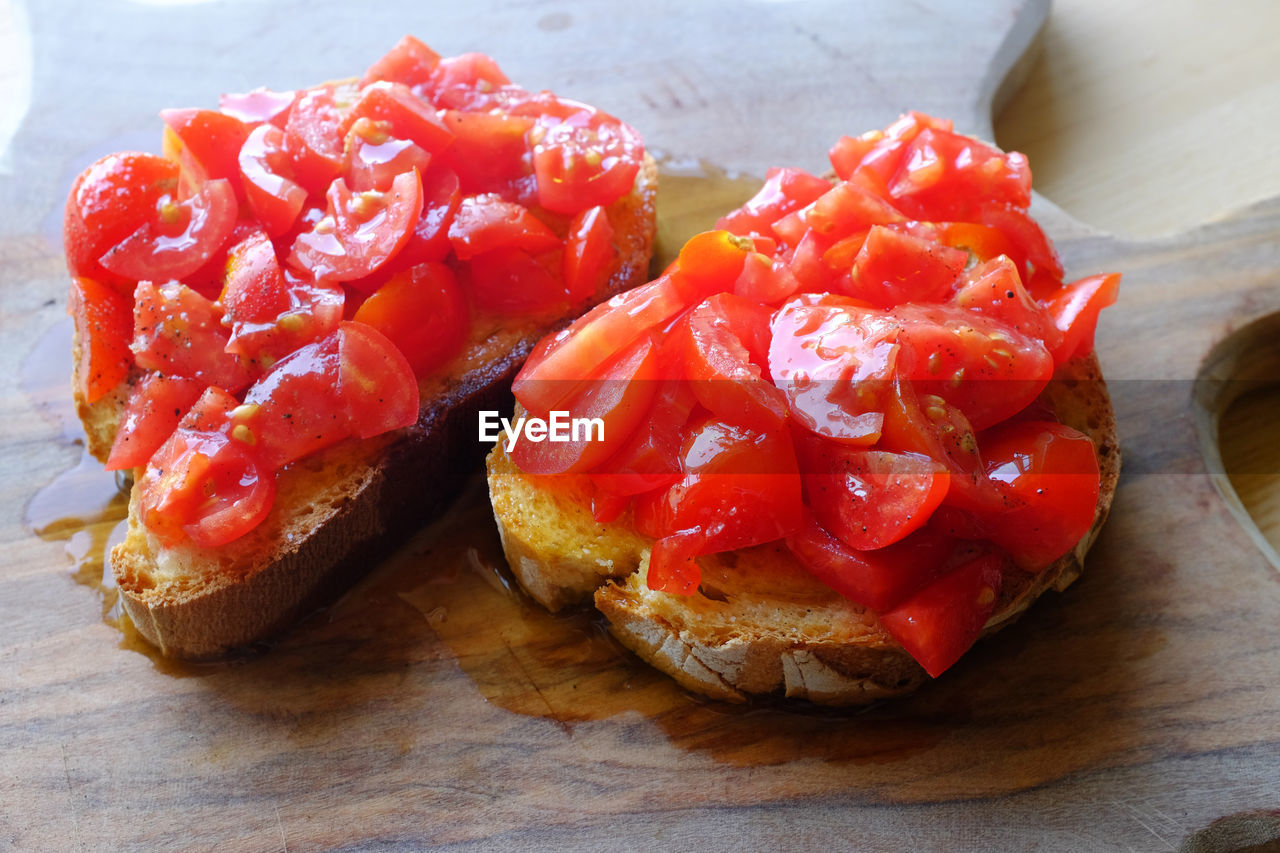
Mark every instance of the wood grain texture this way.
pixel 433 706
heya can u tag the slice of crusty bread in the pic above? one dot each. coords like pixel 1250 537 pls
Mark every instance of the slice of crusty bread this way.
pixel 338 511
pixel 759 624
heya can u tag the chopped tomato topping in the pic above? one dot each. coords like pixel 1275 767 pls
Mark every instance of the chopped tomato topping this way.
pixel 854 366
pixel 308 255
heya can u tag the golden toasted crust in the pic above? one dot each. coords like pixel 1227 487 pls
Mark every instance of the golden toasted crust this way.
pixel 337 512
pixel 759 625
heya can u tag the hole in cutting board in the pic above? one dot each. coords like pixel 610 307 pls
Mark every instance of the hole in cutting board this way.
pixel 1236 404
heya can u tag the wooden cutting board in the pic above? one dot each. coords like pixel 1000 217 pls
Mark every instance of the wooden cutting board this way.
pixel 435 706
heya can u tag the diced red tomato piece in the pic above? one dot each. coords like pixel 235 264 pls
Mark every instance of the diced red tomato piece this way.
pixel 258 106
pixel 487 222
pixel 180 237
pixel 266 172
pixel 294 409
pixel 204 484
pixel 410 62
pixel 1048 475
pixel 723 345
pixel 560 363
pixel 360 231
pixel 271 313
pixel 835 360
pixel 765 281
pixel 405 114
pixel 784 191
pixel 374 157
pixel 587 159
pixel 463 82
pixel 206 143
pixel 178 332
pixel 987 369
pixel 423 311
pixel 103 319
pixel 994 288
pixel 489 150
pixel 893 268
pixel 880 579
pixel 739 489
pixel 1075 313
pixel 512 281
pixel 650 458
pixel 375 382
pixel 869 499
pixel 152 413
pixel 616 402
pixel 441 198
pixel 939 624
pixel 312 135
pixel 109 201
pixel 588 253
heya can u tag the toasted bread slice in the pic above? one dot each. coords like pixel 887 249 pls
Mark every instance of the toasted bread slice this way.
pixel 759 624
pixel 336 512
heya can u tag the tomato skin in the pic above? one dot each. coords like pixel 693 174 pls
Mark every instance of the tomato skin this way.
pixel 588 253
pixel 868 499
pixel 152 413
pixel 561 362
pixel 258 106
pixel 110 200
pixel 994 288
pixel 509 280
pixel 620 398
pixel 409 62
pixel 784 191
pixel 360 231
pixel 203 484
pixel 179 239
pixel 178 332
pixel 587 159
pixel 405 114
pixel 272 313
pixel 103 319
pixel 932 427
pixel 312 138
pixel 835 362
pixel 293 409
pixel 460 82
pixel 879 579
pixel 207 144
pixel 489 150
pixel 266 173
pixel 894 268
pixel 938 624
pixel 441 198
pixel 1048 475
pixel 1075 313
pixel 487 222
pixel 739 488
pixel 716 344
pixel 375 382
pixel 982 366
pixel 374 157
pixel 423 311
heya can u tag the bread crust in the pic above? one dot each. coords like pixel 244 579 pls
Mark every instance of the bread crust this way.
pixel 735 640
pixel 338 512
